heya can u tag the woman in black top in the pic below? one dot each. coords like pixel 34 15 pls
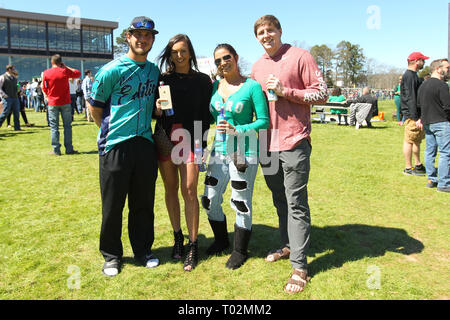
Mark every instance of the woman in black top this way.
pixel 190 94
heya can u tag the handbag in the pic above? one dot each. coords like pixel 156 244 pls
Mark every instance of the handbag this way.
pixel 163 143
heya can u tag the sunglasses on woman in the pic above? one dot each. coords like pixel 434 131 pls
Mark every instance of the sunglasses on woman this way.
pixel 224 58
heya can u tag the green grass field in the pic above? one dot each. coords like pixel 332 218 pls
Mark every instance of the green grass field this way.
pixel 376 233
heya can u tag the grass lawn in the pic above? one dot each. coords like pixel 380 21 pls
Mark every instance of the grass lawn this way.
pixel 376 233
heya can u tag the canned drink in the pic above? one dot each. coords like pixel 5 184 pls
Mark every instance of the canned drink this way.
pixel 221 136
pixel 198 156
pixel 271 95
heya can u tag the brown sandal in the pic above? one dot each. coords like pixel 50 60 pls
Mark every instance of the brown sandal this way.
pixel 297 278
pixel 278 254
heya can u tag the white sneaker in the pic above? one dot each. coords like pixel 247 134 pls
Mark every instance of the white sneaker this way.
pixel 357 126
pixel 150 261
pixel 153 262
pixel 111 268
pixel 111 272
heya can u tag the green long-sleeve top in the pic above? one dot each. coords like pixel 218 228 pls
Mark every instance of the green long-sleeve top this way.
pixel 246 110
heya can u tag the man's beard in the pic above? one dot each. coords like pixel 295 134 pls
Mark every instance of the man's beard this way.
pixel 141 52
pixel 444 76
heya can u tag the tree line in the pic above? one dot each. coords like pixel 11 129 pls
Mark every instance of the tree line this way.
pixel 347 66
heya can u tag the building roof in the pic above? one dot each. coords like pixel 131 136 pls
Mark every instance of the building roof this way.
pixel 55 19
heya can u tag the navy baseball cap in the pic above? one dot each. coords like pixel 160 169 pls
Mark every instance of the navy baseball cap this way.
pixel 143 23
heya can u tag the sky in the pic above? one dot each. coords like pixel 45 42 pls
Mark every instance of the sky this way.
pixel 388 31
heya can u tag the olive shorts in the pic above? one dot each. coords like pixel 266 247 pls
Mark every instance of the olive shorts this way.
pixel 412 133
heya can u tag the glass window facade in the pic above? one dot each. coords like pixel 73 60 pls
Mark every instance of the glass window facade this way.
pixel 94 65
pixel 97 40
pixel 4 61
pixel 25 34
pixel 28 34
pixel 15 33
pixel 32 42
pixel 3 32
pixel 63 39
pixel 29 67
pixel 41 36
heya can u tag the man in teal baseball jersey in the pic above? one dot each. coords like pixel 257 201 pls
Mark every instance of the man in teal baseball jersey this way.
pixel 121 104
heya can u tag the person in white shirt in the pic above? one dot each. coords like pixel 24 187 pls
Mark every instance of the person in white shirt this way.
pixel 86 86
pixel 73 96
pixel 34 97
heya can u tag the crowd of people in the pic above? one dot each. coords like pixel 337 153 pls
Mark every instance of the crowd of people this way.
pixel 380 94
pixel 269 113
pixel 31 96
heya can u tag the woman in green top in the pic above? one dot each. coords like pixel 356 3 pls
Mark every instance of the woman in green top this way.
pixel 242 99
pixel 337 97
pixel 398 102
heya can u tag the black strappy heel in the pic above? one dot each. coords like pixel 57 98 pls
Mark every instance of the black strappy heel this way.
pixel 192 256
pixel 178 247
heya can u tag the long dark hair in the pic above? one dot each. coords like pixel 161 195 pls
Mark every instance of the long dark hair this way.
pixel 165 56
pixel 229 48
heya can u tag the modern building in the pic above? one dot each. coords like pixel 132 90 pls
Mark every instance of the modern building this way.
pixel 28 40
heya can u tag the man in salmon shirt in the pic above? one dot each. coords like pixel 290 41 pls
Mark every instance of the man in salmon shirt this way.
pixel 55 84
pixel 294 77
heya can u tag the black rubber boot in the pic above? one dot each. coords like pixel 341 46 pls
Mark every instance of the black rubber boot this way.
pixel 239 254
pixel 221 242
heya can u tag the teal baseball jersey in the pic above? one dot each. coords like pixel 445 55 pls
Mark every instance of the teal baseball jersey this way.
pixel 125 89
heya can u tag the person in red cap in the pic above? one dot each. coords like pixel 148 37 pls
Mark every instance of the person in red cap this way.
pixel 414 132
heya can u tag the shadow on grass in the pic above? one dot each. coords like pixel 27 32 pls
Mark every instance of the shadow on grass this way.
pixel 77 124
pixel 12 133
pixel 373 128
pixel 164 254
pixel 89 152
pixel 336 245
pixel 340 244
